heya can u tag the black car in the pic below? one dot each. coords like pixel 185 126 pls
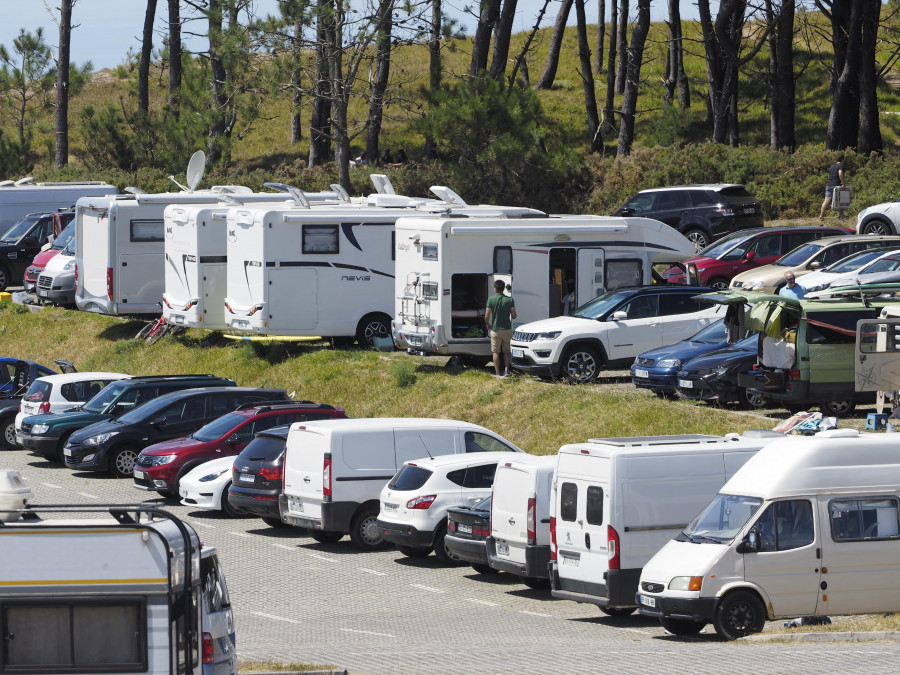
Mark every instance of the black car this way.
pixel 467 529
pixel 701 213
pixel 24 240
pixel 256 480
pixel 114 445
pixel 713 377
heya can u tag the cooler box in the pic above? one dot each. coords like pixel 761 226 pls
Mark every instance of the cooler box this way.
pixel 840 198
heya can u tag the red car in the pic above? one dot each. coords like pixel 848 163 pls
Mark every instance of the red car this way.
pixel 159 467
pixel 718 263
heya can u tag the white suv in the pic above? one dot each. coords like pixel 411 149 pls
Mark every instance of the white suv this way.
pixel 879 219
pixel 612 329
pixel 414 503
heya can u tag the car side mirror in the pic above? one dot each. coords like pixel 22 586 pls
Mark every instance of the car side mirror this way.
pixel 626 212
pixel 159 421
pixel 233 440
pixel 749 255
pixel 750 543
pixel 618 316
pixel 814 265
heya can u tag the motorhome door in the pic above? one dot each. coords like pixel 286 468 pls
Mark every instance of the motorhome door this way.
pixel 591 270
pixel 877 352
pixel 293 304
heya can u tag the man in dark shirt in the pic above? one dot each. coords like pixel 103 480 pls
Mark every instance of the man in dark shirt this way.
pixel 501 310
pixel 835 179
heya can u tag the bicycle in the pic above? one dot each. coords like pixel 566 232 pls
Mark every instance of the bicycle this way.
pixel 153 332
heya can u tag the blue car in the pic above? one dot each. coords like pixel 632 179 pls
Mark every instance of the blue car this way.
pixel 657 368
pixel 713 377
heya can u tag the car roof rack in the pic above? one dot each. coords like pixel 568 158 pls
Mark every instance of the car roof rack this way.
pixel 287 405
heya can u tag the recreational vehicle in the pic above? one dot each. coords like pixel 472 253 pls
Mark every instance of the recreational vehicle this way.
pixel 446 268
pixel 877 359
pixel 21 197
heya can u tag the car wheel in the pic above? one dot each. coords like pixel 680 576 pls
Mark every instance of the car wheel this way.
pixel 227 508
pixel 681 626
pixel 371 327
pixel 440 548
pixel 739 614
pixel 484 569
pixel 4 278
pixel 618 611
pixel 364 531
pixel 324 537
pixel 837 408
pixel 698 238
pixel 121 464
pixel 877 226
pixel 581 364
pixel 8 435
pixel 751 399
pixel 536 583
pixel 719 283
pixel 274 522
pixel 414 551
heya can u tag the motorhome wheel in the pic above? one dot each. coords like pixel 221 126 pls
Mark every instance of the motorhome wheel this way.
pixel 740 613
pixel 838 408
pixel 536 583
pixel 751 399
pixel 372 326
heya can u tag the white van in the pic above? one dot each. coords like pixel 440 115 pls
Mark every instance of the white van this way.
pixel 334 469
pixel 520 518
pixel 808 527
pixel 618 500
pixel 21 197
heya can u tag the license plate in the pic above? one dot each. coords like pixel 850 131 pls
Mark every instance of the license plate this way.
pixel 518 353
pixel 43 294
pixel 416 340
pixel 140 474
pixel 246 477
pixel 390 507
pixel 462 527
pixel 178 318
pixel 571 561
pixel 502 549
pixel 685 384
pixel 750 210
pixel 649 602
pixel 295 505
pixel 241 323
pixel 641 373
pixel 67 452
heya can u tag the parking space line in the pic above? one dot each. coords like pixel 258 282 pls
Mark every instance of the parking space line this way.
pixel 375 572
pixel 242 534
pixel 194 523
pixel 321 557
pixel 276 618
pixel 427 588
pixel 483 602
pixel 525 611
pixel 88 495
pixel 367 632
pixel 285 547
pixel 51 485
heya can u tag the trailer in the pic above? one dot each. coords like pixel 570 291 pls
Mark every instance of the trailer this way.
pixel 446 269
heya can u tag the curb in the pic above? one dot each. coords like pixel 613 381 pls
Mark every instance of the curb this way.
pixel 836 636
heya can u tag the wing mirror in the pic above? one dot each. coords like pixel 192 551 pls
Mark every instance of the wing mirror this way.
pixel 618 316
pixel 814 266
pixel 626 212
pixel 749 255
pixel 159 421
pixel 233 440
pixel 750 543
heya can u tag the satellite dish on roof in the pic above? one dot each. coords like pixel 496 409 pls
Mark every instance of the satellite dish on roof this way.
pixel 196 168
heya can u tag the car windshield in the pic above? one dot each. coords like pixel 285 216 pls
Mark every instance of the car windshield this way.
pixel 218 427
pixel 145 411
pixel 602 304
pixel 740 240
pixel 19 230
pixel 853 262
pixel 64 237
pixel 799 255
pixel 108 395
pixel 889 263
pixel 721 521
pixel 711 334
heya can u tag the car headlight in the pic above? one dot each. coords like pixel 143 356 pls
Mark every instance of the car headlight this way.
pixel 753 285
pixel 69 266
pixel 40 428
pixel 686 584
pixel 669 363
pixel 551 335
pixel 212 476
pixel 99 439
pixel 157 460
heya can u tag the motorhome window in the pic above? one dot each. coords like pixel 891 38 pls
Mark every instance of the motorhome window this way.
pixel 479 442
pixel 785 525
pixel 503 260
pixel 321 239
pixel 215 592
pixel 412 477
pixel 430 290
pixel 147 230
pixel 568 502
pixel 720 522
pixel 879 337
pixel 480 476
pixel 77 636
pixel 594 505
pixel 834 328
pixel 621 273
pixel 864 519
pixel 429 251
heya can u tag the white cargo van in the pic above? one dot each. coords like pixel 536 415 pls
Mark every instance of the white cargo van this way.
pixel 334 470
pixel 520 518
pixel 810 526
pixel 21 197
pixel 618 500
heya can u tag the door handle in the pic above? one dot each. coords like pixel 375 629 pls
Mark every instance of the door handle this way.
pixel 512 521
pixel 587 540
pixel 305 479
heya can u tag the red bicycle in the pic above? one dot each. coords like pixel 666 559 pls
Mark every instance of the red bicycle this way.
pixel 154 331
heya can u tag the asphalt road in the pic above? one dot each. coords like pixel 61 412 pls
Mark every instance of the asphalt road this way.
pixel 296 600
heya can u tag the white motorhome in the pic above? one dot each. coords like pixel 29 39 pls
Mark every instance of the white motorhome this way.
pixel 810 526
pixel 618 500
pixel 334 470
pixel 446 268
pixel 326 271
pixel 128 591
pixel 21 197
pixel 877 366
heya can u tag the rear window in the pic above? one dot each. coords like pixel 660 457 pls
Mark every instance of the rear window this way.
pixel 410 477
pixel 264 449
pixel 737 193
pixel 38 392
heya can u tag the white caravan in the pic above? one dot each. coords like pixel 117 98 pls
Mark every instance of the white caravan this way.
pixel 617 501
pixel 125 591
pixel 326 271
pixel 810 526
pixel 446 268
pixel 21 197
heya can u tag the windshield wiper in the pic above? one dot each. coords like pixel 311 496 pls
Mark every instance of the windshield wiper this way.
pixel 696 538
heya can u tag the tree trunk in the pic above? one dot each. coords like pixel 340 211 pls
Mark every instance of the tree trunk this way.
pixel 143 96
pixel 676 79
pixel 175 70
pixel 553 49
pixel 62 83
pixel 587 80
pixel 502 39
pixel 219 76
pixel 843 119
pixel 297 50
pixel 382 73
pixel 608 126
pixel 633 78
pixel 622 39
pixel 487 19
pixel 339 100
pixel 869 129
pixel 601 34
pixel 434 63
pixel 781 75
pixel 319 124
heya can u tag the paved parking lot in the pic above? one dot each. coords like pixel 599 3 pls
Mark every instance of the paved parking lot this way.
pixel 296 600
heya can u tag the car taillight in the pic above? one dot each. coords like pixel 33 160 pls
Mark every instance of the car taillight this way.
pixel 612 547
pixel 480 531
pixel 44 407
pixel 109 283
pixel 451 526
pixel 271 473
pixel 422 502
pixel 208 655
pixel 552 537
pixel 529 522
pixel 794 375
pixel 326 478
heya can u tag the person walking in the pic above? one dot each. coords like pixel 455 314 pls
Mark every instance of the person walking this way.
pixel 792 289
pixel 498 316
pixel 835 179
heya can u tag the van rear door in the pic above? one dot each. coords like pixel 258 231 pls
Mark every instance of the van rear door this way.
pixel 304 462
pixel 513 487
pixel 877 350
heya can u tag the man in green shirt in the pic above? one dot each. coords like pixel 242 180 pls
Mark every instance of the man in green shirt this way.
pixel 501 310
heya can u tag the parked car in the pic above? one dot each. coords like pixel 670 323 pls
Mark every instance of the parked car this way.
pixel 206 486
pixel 609 330
pixel 257 476
pixel 467 529
pixel 114 445
pixel 47 434
pixel 41 259
pixel 740 251
pixel 879 219
pixel 702 213
pixel 22 242
pixel 813 255
pixel 851 268
pixel 56 284
pixel 160 466
pixel 413 513
pixel 655 369
pixel 16 375
pixel 713 377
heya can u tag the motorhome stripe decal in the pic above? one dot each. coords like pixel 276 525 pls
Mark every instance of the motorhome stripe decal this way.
pixel 383 274
pixel 347 229
pixel 83 582
pixel 344 266
pixel 297 263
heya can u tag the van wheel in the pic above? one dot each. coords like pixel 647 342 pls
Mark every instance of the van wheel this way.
pixel 364 532
pixel 698 238
pixel 274 522
pixel 719 283
pixel 739 614
pixel 414 551
pixel 484 569
pixel 536 583
pixel 440 548
pixel 323 537
pixel 122 462
pixel 227 508
pixel 8 435
pixel 681 626
pixel 618 611
pixel 372 326
pixel 4 278
pixel 751 399
pixel 581 364
pixel 838 408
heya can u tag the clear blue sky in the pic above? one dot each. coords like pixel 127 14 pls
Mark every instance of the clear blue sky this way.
pixel 108 28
